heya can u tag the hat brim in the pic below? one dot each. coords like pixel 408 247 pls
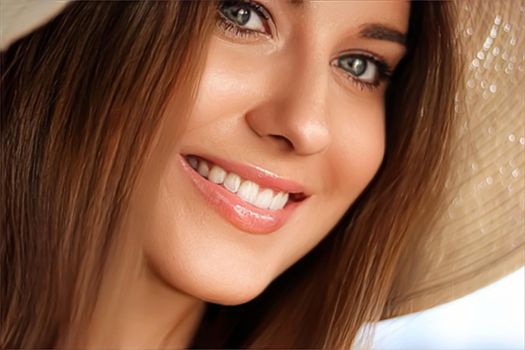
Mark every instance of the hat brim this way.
pixel 480 236
pixel 21 17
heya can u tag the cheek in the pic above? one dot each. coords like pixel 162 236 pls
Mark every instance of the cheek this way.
pixel 234 81
pixel 358 147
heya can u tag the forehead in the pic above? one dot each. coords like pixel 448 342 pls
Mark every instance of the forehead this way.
pixel 352 13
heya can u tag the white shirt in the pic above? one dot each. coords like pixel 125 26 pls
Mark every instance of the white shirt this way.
pixel 490 318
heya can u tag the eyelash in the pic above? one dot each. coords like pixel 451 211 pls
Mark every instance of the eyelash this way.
pixel 226 25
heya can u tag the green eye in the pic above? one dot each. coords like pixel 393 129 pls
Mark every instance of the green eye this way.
pixel 245 15
pixel 359 67
pixel 355 65
pixel 364 69
pixel 240 15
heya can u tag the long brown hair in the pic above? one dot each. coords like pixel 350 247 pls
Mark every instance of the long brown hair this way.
pixel 81 102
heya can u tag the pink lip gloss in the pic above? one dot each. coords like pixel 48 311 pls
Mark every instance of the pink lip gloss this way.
pixel 241 214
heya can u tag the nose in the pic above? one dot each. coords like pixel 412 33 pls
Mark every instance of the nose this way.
pixel 293 115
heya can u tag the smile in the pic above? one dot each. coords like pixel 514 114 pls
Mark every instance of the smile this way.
pixel 251 198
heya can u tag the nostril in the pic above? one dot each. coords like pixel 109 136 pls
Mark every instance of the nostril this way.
pixel 282 140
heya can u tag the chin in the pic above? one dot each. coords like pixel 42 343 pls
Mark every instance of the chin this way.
pixel 226 292
pixel 230 295
pixel 226 280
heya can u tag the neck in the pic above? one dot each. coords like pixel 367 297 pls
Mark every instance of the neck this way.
pixel 147 313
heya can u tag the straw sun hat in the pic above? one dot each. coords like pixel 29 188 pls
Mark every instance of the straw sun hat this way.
pixel 480 237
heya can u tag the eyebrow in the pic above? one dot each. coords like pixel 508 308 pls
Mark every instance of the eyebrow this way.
pixel 371 31
pixel 382 32
pixel 296 3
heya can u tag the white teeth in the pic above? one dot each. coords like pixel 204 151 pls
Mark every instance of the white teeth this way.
pixel 203 168
pixel 232 182
pixel 248 191
pixel 279 201
pixel 217 175
pixel 263 199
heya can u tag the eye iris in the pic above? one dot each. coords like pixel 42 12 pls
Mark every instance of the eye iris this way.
pixel 238 14
pixel 356 66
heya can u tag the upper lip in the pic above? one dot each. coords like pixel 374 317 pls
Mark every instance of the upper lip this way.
pixel 261 176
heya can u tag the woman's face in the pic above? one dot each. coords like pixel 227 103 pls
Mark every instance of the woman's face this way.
pixel 287 130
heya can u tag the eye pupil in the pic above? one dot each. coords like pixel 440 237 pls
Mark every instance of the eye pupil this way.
pixel 356 66
pixel 238 14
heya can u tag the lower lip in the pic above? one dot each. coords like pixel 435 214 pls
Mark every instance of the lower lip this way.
pixel 241 214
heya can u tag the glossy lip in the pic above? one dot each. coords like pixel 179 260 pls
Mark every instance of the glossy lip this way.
pixel 241 214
